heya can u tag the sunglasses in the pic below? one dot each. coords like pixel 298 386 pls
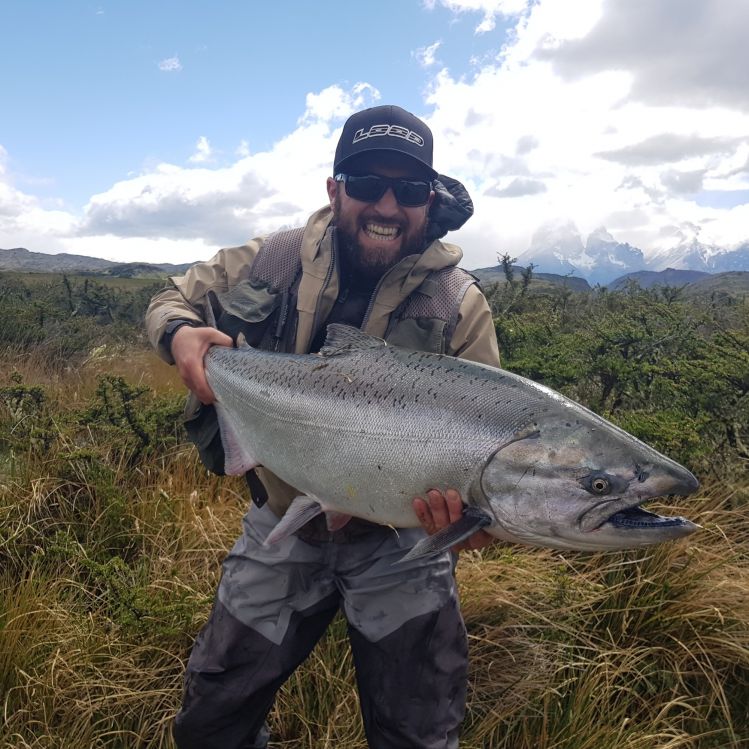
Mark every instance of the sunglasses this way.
pixel 369 188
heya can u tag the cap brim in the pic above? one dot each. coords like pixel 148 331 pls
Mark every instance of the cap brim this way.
pixel 350 160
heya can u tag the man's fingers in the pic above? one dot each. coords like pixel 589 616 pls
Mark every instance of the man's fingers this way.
pixel 217 338
pixel 202 389
pixel 439 508
pixel 424 514
pixel 454 505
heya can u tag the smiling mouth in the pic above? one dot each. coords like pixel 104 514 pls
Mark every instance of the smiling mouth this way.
pixel 382 232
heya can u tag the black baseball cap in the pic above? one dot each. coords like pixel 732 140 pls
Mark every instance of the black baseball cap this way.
pixel 384 128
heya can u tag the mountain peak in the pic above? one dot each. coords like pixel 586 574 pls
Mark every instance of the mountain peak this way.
pixel 601 234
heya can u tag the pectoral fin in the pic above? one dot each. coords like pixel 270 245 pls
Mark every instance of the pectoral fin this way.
pixel 301 511
pixel 473 519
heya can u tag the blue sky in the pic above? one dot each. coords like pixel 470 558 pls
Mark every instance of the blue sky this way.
pixel 92 103
pixel 163 130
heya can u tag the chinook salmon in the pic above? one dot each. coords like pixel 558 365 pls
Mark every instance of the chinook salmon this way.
pixel 363 427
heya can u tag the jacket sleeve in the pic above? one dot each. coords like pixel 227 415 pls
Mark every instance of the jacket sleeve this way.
pixel 474 337
pixel 185 297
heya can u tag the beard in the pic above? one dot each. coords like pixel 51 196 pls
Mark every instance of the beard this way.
pixel 368 264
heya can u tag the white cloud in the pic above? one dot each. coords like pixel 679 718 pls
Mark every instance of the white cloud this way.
pixel 24 221
pixel 335 102
pixel 427 56
pixel 534 142
pixel 691 52
pixel 203 151
pixel 490 9
pixel 566 121
pixel 517 188
pixel 170 65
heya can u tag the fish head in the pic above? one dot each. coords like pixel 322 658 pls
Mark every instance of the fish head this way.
pixel 575 481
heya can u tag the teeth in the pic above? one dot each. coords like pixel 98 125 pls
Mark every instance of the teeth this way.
pixel 378 231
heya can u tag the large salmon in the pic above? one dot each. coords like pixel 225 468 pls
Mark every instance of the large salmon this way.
pixel 363 427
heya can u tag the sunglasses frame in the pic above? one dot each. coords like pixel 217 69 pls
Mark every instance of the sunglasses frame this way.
pixel 396 183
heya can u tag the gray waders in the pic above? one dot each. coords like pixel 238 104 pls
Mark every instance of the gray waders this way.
pixel 273 604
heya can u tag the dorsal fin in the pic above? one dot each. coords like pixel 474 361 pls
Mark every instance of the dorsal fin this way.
pixel 341 339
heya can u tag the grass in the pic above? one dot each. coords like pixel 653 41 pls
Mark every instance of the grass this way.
pixel 110 553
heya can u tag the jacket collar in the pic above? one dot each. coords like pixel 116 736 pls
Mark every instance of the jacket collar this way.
pixel 319 286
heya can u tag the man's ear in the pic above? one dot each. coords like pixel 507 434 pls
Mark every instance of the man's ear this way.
pixel 332 186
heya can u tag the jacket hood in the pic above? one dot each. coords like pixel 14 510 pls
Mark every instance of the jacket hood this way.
pixel 451 208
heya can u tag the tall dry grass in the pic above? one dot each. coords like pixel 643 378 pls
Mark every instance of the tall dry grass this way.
pixel 108 565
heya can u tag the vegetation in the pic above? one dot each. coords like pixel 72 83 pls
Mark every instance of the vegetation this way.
pixel 111 537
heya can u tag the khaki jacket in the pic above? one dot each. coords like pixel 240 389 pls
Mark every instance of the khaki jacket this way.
pixel 474 337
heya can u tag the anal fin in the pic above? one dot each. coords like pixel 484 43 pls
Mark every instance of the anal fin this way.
pixel 238 458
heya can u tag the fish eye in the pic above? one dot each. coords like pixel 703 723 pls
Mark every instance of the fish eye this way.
pixel 597 484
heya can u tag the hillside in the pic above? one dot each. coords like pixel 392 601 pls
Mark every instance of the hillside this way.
pixel 732 283
pixel 694 283
pixel 646 279
pixel 21 259
pixel 539 282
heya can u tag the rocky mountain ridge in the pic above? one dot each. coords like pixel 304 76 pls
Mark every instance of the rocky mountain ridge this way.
pixel 601 259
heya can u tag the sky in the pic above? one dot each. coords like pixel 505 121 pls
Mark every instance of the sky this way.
pixel 162 131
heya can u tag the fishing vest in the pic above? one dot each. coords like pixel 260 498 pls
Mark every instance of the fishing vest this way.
pixel 262 309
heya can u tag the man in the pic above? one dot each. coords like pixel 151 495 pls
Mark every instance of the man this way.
pixel 372 258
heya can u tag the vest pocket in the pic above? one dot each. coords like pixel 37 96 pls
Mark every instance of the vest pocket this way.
pixel 419 334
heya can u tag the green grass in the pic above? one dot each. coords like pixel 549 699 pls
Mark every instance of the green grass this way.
pixel 110 554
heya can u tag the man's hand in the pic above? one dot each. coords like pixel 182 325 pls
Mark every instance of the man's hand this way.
pixel 438 510
pixel 189 346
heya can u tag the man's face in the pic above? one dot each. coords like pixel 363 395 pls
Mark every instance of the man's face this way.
pixel 375 236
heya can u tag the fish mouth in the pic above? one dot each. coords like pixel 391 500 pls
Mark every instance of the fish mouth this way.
pixel 635 518
pixel 638 518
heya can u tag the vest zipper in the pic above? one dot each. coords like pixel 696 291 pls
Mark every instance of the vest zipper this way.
pixel 326 282
pixel 281 322
pixel 370 306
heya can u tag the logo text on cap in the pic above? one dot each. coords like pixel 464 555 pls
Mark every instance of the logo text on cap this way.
pixel 397 130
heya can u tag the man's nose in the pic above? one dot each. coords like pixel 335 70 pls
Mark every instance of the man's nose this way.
pixel 387 204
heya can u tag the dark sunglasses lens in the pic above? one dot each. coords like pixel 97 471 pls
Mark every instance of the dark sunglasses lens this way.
pixel 366 188
pixel 411 193
pixel 370 188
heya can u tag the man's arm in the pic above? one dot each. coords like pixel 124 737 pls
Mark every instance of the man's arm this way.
pixel 186 299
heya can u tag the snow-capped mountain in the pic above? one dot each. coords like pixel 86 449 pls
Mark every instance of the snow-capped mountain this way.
pixel 612 258
pixel 556 248
pixel 736 259
pixel 690 254
pixel 559 248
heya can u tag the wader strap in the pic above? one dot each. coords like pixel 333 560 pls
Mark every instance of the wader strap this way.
pixel 257 488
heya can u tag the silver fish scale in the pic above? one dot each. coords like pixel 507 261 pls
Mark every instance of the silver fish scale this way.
pixel 371 427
